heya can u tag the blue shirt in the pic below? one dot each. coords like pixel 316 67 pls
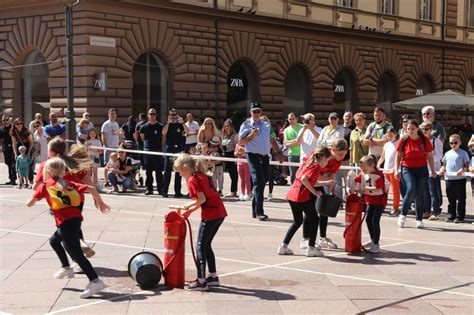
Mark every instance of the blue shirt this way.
pixel 261 143
pixel 52 131
pixel 454 161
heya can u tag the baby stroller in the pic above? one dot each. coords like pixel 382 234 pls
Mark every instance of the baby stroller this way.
pixel 279 178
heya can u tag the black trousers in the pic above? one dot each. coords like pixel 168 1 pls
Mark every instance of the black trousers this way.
pixel 323 220
pixel 169 161
pixel 154 163
pixel 310 221
pixel 231 167
pixel 9 158
pixel 204 252
pixel 373 222
pixel 456 191
pixel 69 234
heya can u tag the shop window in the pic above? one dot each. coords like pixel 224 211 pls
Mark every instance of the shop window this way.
pixel 35 96
pixel 297 92
pixel 387 6
pixel 345 91
pixel 387 92
pixel 425 86
pixel 426 10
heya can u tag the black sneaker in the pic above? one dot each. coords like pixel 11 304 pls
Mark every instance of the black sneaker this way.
pixel 148 192
pixel 140 181
pixel 449 220
pixel 263 217
pixel 180 195
pixel 165 195
pixel 196 286
pixel 458 221
pixel 212 281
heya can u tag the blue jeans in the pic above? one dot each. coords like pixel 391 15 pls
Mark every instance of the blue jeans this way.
pixel 432 197
pixel 258 170
pixel 126 183
pixel 415 180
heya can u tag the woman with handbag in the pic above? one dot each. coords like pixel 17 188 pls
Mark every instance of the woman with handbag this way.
pixel 21 136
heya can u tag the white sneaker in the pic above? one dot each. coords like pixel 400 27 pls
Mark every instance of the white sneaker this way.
pixel 314 251
pixel 241 197
pixel 246 198
pixel 325 242
pixel 64 273
pixel 401 220
pixel 270 197
pixel 303 243
pixel 367 244
pixel 92 288
pixel 76 268
pixel 374 248
pixel 419 224
pixel 284 250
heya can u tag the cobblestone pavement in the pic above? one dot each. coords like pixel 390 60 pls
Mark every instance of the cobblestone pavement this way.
pixel 418 271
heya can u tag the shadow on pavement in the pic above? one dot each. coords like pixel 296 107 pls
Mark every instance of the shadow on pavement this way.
pixel 376 259
pixel 119 297
pixel 260 293
pixel 111 273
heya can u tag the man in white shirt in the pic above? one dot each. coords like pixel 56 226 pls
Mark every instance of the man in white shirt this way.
pixel 308 136
pixel 191 129
pixel 375 135
pixel 110 133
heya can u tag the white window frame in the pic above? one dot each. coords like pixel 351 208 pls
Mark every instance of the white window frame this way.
pixel 387 7
pixel 426 10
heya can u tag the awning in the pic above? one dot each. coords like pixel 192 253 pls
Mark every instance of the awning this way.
pixel 446 100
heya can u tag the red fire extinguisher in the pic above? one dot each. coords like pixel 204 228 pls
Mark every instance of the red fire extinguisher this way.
pixel 355 216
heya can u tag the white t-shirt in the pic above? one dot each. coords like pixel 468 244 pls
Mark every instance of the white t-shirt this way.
pixel 309 142
pixel 193 128
pixel 437 153
pixel 41 139
pixel 111 130
pixel 390 156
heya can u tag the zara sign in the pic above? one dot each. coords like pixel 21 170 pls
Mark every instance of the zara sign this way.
pixel 100 81
pixel 234 82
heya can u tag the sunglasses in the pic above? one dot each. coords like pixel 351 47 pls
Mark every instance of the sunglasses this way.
pixel 36 126
pixel 426 114
pixel 333 118
pixel 257 111
pixel 404 121
pixel 18 124
pixel 5 119
pixel 454 142
pixel 426 129
pixel 152 114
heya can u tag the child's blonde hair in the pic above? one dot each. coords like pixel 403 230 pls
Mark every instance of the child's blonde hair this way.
pixel 56 168
pixel 77 159
pixel 455 136
pixel 318 153
pixel 114 155
pixel 187 161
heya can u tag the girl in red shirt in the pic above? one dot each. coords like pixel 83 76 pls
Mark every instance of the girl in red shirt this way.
pixel 371 183
pixel 414 152
pixel 301 197
pixel 201 189
pixel 66 199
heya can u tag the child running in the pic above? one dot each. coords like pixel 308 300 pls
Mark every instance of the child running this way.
pixel 66 200
pixel 301 197
pixel 201 189
pixel 371 183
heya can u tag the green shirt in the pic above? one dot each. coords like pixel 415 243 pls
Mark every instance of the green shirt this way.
pixel 357 147
pixel 291 133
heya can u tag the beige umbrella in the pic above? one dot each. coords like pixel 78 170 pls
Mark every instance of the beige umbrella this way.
pixel 445 100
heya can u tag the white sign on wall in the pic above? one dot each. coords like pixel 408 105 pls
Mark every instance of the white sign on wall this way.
pixel 339 88
pixel 236 82
pixel 419 92
pixel 102 41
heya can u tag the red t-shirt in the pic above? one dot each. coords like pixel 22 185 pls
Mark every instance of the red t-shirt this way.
pixel 377 180
pixel 332 167
pixel 298 192
pixel 72 177
pixel 213 208
pixel 415 151
pixel 64 203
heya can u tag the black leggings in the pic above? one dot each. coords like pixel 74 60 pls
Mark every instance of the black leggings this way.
pixel 323 220
pixel 204 253
pixel 68 233
pixel 373 222
pixel 310 221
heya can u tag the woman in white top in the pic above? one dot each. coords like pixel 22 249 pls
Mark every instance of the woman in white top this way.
pixel 39 136
pixel 432 197
pixel 389 155
pixel 308 136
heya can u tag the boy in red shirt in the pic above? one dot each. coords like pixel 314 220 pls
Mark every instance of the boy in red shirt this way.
pixel 205 196
pixel 66 200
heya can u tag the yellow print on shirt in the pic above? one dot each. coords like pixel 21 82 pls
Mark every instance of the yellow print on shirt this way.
pixel 63 198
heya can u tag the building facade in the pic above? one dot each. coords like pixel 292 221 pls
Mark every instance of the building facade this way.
pixel 212 57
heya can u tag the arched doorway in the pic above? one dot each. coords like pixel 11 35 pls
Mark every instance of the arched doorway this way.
pixel 150 85
pixel 345 92
pixel 387 92
pixel 470 86
pixel 242 88
pixel 425 85
pixel 35 96
pixel 297 91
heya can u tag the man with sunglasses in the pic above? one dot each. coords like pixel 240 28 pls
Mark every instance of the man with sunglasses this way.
pixel 54 129
pixel 151 134
pixel 173 134
pixel 428 113
pixel 7 148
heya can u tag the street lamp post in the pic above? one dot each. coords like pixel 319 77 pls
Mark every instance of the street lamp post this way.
pixel 71 122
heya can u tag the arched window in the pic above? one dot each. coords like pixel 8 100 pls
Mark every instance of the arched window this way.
pixel 242 88
pixel 470 86
pixel 34 86
pixel 425 85
pixel 387 92
pixel 345 92
pixel 150 85
pixel 297 92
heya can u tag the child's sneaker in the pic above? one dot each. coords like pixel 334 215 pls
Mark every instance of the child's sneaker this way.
pixel 76 268
pixel 434 217
pixel 284 250
pixel 419 224
pixel 64 273
pixel 314 251
pixel 92 288
pixel 246 197
pixel 212 281
pixel 401 220
pixel 241 197
pixel 374 248
pixel 367 244
pixel 19 186
pixel 196 286
pixel 325 242
pixel 303 243
pixel 270 197
pixel 394 212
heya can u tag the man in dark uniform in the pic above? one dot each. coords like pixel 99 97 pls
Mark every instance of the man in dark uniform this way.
pixel 151 135
pixel 173 132
pixel 138 140
pixel 7 149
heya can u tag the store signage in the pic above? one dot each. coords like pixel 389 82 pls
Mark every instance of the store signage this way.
pixel 419 92
pixel 236 82
pixel 100 81
pixel 339 88
pixel 102 41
